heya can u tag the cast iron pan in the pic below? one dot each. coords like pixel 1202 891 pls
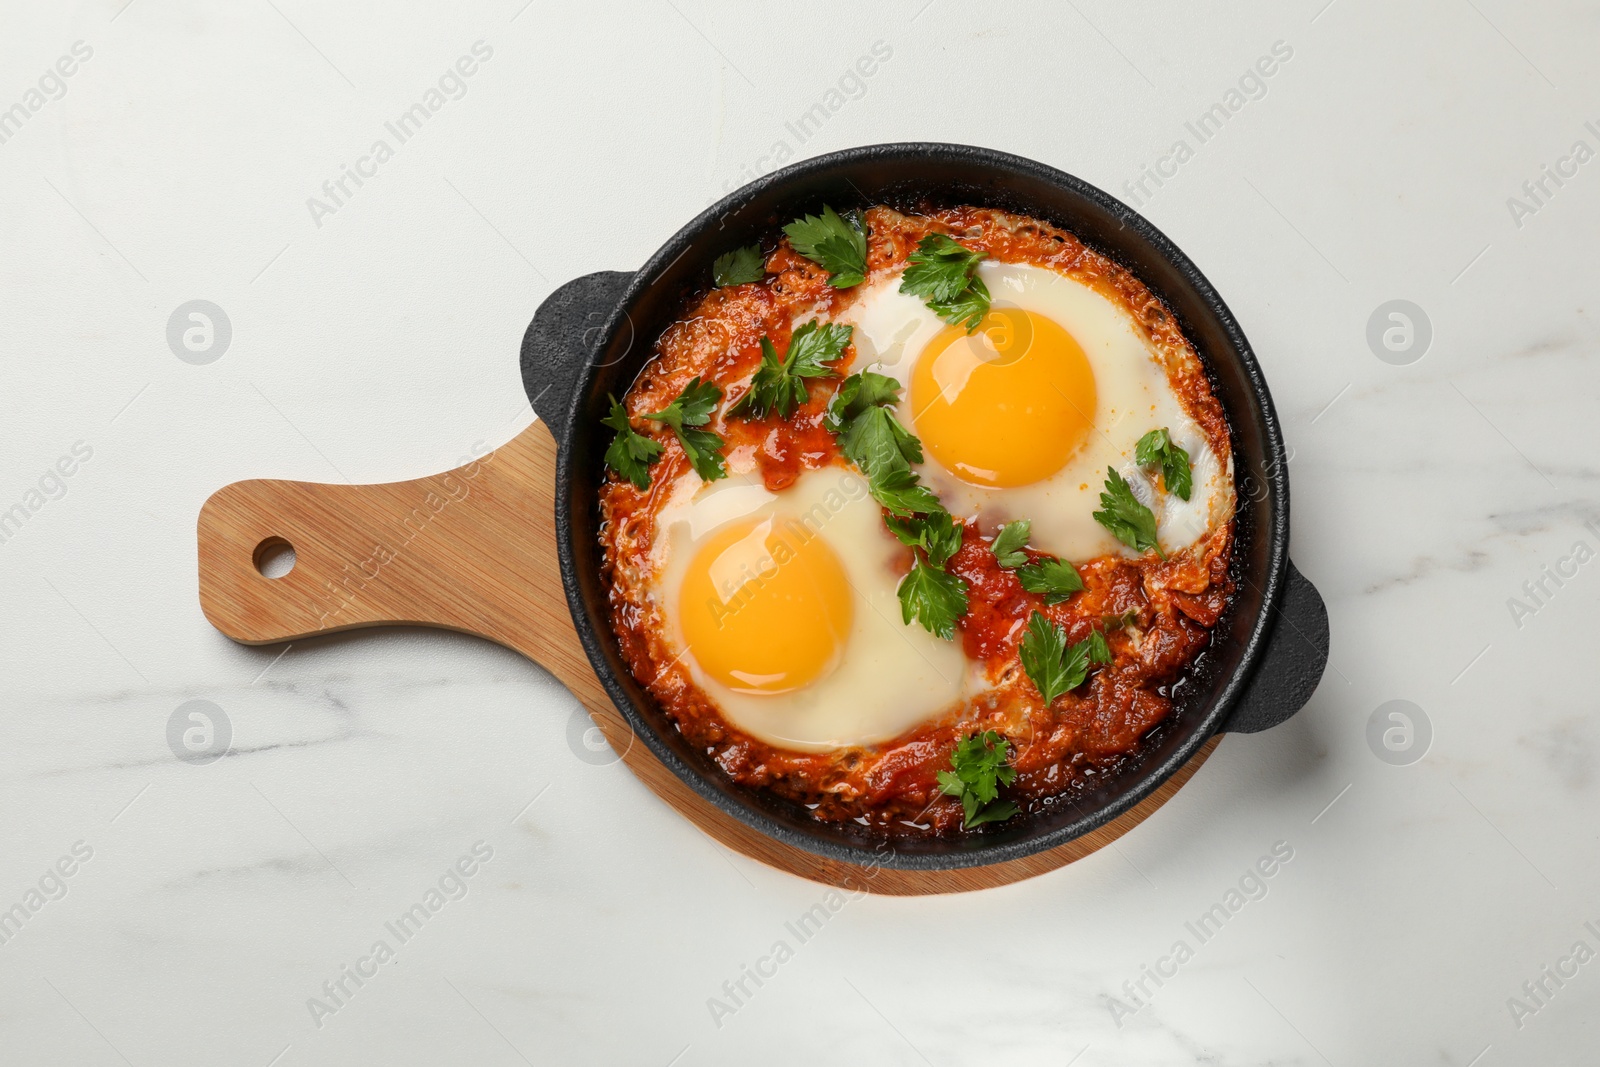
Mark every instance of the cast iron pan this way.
pixel 594 335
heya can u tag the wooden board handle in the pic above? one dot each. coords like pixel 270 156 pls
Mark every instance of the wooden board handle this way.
pixel 470 549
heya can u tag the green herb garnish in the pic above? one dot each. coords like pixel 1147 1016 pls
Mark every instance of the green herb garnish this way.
pixel 693 409
pixel 1055 578
pixel 631 452
pixel 968 309
pixel 1128 520
pixel 1008 543
pixel 739 266
pixel 1155 449
pixel 929 594
pixel 1054 666
pixel 944 274
pixel 780 385
pixel 899 491
pixel 837 243
pixel 933 597
pixel 873 439
pixel 939 269
pixel 937 534
pixel 978 769
pixel 1043 655
pixel 858 393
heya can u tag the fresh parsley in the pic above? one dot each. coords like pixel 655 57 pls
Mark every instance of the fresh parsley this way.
pixel 944 274
pixel 1128 520
pixel 1008 543
pixel 873 439
pixel 739 266
pixel 978 769
pixel 899 492
pixel 1043 656
pixel 937 534
pixel 858 393
pixel 631 452
pixel 876 442
pixel 1156 449
pixel 684 415
pixel 934 598
pixel 780 385
pixel 1055 578
pixel 967 309
pixel 929 594
pixel 939 269
pixel 837 243
pixel 1054 666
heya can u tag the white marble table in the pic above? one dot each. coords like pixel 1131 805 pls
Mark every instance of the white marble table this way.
pixel 373 337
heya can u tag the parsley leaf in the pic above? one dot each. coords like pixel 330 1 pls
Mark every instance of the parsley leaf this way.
pixel 857 394
pixel 1054 666
pixel 631 452
pixel 898 491
pixel 939 268
pixel 1055 578
pixel 739 266
pixel 1128 520
pixel 967 309
pixel 1157 449
pixel 873 439
pixel 978 769
pixel 779 385
pixel 934 598
pixel 1007 546
pixel 1043 653
pixel 815 344
pixel 877 443
pixel 772 387
pixel 937 534
pixel 693 406
pixel 693 409
pixel 943 273
pixel 836 243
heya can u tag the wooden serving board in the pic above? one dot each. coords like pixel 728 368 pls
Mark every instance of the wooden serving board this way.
pixel 474 550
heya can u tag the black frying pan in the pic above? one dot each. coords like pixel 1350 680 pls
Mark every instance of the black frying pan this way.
pixel 593 335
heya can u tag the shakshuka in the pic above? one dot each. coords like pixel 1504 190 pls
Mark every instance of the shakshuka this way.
pixel 917 518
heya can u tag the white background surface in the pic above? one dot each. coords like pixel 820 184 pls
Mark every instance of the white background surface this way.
pixel 382 345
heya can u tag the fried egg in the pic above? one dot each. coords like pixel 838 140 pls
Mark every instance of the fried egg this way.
pixel 783 608
pixel 1020 419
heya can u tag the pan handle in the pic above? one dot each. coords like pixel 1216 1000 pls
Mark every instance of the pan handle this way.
pixel 1296 653
pixel 560 338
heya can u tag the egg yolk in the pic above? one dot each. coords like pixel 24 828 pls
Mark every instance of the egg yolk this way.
pixel 766 606
pixel 1006 405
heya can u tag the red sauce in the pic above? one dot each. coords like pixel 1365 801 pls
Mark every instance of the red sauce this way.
pixel 1157 614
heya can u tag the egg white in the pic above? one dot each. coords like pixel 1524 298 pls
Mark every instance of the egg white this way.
pixel 890 677
pixel 1134 397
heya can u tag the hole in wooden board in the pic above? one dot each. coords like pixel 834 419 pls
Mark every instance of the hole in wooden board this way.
pixel 274 557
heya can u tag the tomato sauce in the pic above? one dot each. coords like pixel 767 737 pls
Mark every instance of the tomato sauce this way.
pixel 1157 614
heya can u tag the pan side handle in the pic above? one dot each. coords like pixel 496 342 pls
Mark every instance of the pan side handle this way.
pixel 1296 655
pixel 565 329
